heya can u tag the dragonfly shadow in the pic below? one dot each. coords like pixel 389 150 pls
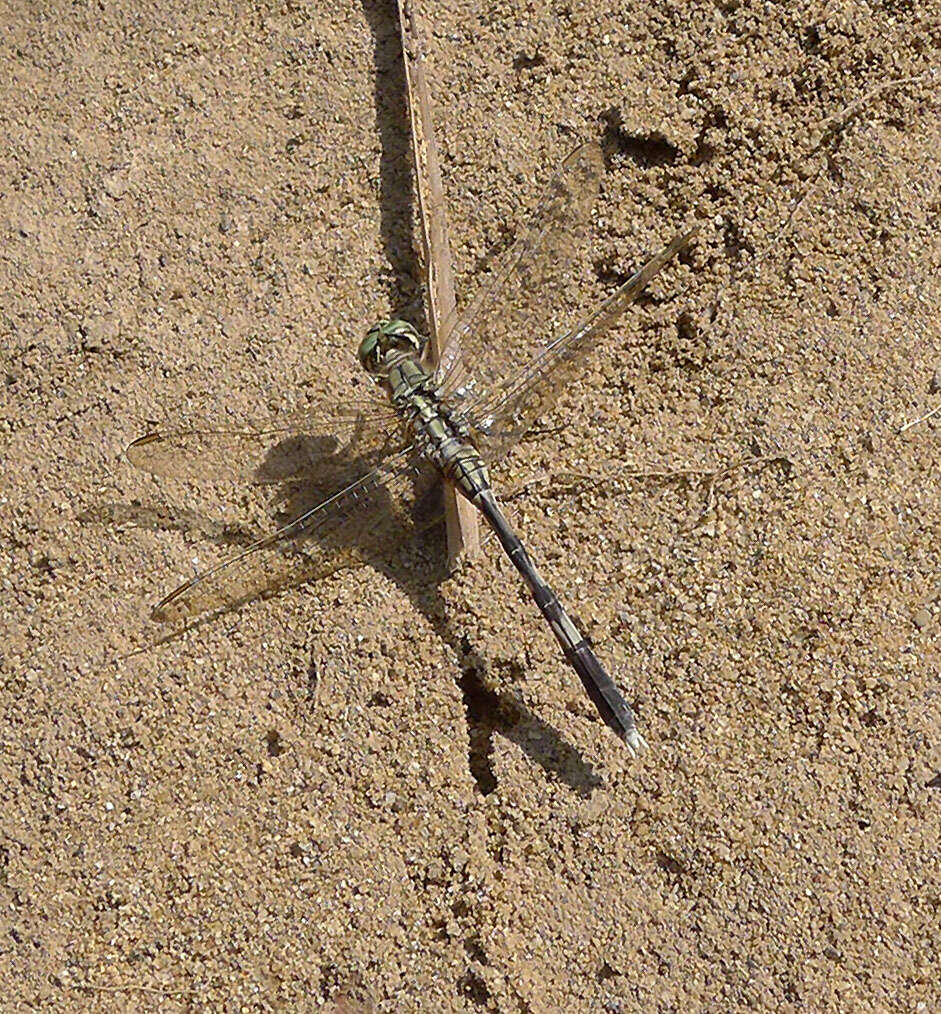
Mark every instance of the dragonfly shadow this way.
pixel 406 546
pixel 309 469
pixel 488 711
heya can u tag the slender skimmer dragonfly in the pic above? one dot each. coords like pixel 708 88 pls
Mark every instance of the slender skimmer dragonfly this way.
pixel 503 365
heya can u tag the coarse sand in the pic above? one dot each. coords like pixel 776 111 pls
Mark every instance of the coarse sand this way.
pixel 385 790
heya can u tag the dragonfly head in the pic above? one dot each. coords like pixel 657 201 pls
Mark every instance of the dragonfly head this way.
pixel 389 336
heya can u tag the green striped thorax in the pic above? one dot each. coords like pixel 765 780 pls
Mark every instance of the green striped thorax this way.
pixel 389 336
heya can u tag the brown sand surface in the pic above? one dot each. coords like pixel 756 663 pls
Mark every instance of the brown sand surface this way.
pixel 385 790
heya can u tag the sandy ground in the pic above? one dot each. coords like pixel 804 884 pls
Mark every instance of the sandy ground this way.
pixel 386 791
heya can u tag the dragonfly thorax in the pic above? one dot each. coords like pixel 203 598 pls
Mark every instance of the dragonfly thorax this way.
pixel 387 337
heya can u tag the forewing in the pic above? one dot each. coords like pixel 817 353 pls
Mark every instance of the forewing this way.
pixel 505 326
pixel 512 406
pixel 334 447
pixel 363 521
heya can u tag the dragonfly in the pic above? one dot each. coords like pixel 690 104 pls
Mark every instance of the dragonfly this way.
pixel 505 362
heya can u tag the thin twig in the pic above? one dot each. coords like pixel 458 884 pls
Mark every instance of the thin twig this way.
pixel 131 987
pixel 856 104
pixel 789 221
pixel 822 131
pixel 709 474
pixel 921 418
pixel 462 530
pixel 616 482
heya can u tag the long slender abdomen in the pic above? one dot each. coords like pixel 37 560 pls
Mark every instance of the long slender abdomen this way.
pixel 598 684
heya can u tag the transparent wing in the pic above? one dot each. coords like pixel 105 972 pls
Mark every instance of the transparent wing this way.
pixel 365 520
pixel 334 447
pixel 506 324
pixel 511 407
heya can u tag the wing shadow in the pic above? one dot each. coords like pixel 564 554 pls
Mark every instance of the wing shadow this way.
pixel 488 711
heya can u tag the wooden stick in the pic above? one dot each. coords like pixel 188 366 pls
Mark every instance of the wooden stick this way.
pixel 460 516
pixel 920 419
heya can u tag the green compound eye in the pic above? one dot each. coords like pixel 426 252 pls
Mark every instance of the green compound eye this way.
pixel 369 346
pixel 385 336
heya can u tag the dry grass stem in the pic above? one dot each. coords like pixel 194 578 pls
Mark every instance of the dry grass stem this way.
pixel 460 517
